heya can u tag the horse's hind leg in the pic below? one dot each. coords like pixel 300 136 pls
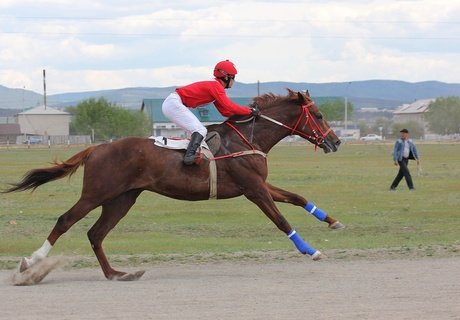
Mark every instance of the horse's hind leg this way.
pixel 112 212
pixel 64 222
pixel 280 195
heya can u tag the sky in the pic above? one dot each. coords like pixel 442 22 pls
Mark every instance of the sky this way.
pixel 89 45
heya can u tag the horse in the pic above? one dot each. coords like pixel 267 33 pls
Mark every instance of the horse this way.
pixel 116 173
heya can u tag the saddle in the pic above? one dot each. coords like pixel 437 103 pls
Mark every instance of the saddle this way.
pixel 211 142
pixel 209 146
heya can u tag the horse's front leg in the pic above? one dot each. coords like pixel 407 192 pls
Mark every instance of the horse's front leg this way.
pixel 260 195
pixel 280 195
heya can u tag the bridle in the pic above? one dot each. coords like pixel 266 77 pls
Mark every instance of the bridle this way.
pixel 317 138
pixel 318 135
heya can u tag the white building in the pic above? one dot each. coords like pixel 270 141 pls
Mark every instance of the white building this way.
pixel 44 121
pixel 413 112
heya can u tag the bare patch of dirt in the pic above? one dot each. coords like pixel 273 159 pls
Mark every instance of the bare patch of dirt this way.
pixel 337 288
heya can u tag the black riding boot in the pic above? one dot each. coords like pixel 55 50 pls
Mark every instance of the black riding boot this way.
pixel 190 155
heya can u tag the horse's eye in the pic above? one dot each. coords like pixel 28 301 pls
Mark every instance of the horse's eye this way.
pixel 319 116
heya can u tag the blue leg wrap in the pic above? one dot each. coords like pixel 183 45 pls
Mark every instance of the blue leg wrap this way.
pixel 301 245
pixel 317 212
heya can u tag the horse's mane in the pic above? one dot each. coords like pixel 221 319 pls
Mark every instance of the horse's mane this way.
pixel 267 100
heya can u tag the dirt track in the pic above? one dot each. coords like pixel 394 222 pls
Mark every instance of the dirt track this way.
pixel 423 288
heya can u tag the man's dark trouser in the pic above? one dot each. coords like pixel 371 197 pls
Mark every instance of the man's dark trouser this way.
pixel 403 172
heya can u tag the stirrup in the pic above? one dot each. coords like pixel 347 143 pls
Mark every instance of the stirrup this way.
pixel 199 158
pixel 195 159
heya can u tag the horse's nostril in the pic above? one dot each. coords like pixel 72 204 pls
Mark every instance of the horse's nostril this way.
pixel 338 143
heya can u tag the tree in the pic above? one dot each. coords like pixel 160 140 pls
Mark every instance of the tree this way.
pixel 107 120
pixel 384 123
pixel 334 110
pixel 415 129
pixel 443 115
pixel 364 128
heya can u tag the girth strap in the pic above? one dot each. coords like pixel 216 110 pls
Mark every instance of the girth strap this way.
pixel 212 174
pixel 213 167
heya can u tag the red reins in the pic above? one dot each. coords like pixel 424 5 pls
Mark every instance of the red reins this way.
pixel 240 134
pixel 317 137
pixel 318 134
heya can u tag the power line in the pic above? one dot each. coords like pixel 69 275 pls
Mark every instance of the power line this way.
pixel 249 36
pixel 70 18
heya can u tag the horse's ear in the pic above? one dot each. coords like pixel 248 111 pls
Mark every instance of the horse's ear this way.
pixel 291 94
pixel 302 97
pixel 307 93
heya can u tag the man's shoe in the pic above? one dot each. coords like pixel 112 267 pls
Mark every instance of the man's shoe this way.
pixel 191 155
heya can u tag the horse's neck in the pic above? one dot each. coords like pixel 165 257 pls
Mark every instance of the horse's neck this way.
pixel 268 136
pixel 264 135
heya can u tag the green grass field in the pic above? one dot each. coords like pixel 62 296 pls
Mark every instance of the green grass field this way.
pixel 351 185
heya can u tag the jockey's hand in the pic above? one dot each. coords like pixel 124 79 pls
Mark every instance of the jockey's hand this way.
pixel 255 111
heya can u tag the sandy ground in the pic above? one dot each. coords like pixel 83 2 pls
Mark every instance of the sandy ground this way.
pixel 422 288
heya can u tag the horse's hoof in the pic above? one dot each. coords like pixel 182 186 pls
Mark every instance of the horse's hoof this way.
pixel 337 226
pixel 131 276
pixel 317 256
pixel 23 265
pixel 38 271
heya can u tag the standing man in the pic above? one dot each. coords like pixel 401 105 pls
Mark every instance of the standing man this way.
pixel 404 150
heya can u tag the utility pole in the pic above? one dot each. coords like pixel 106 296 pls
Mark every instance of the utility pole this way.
pixel 346 105
pixel 23 91
pixel 44 88
pixel 346 114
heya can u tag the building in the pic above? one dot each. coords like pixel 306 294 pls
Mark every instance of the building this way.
pixel 9 132
pixel 413 112
pixel 162 126
pixel 44 121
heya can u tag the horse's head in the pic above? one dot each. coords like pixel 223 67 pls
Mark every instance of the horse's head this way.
pixel 311 124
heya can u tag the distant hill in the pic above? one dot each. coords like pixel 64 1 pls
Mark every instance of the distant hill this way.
pixel 19 98
pixel 369 93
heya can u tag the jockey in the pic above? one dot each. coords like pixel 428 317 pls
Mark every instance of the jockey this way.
pixel 194 95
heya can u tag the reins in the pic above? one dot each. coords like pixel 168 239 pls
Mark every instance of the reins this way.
pixel 240 134
pixel 317 137
pixel 240 153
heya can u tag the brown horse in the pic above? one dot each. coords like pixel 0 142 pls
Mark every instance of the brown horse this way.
pixel 116 173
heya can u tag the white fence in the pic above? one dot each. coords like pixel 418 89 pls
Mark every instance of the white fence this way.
pixel 51 140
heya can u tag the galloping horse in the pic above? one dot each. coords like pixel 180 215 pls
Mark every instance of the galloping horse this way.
pixel 115 174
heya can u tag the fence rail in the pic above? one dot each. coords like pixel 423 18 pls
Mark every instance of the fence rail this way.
pixel 44 140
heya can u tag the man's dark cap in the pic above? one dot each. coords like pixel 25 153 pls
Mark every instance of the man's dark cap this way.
pixel 404 130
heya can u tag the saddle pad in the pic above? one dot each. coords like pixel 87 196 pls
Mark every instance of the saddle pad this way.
pixel 174 143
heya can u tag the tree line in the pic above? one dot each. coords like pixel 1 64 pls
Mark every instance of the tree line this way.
pixel 109 121
pixel 442 117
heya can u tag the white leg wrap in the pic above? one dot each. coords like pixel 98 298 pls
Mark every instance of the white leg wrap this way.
pixel 40 254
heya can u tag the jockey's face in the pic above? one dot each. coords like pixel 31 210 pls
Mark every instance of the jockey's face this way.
pixel 231 82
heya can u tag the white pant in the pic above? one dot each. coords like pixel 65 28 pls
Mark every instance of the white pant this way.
pixel 177 112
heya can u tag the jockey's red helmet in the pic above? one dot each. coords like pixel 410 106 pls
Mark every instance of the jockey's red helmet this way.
pixel 224 68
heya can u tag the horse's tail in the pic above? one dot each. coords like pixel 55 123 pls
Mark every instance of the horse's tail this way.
pixel 37 177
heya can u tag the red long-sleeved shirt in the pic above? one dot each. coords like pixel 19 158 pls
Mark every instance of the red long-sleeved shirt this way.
pixel 204 92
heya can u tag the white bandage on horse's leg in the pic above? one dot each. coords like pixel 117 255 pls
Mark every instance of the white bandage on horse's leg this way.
pixel 40 254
